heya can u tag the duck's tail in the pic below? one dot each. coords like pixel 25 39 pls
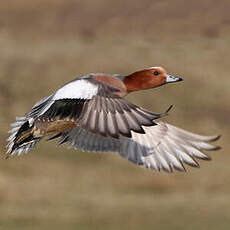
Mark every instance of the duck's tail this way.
pixel 22 138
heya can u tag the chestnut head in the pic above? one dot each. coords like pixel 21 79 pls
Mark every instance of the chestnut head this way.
pixel 149 78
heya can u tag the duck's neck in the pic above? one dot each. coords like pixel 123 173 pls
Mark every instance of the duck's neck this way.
pixel 130 84
pixel 135 82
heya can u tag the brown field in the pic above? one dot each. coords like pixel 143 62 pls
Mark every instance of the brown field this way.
pixel 45 43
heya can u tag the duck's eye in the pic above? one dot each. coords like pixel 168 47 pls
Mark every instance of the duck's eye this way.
pixel 155 73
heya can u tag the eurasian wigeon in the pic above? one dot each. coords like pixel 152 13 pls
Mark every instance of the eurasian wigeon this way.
pixel 90 113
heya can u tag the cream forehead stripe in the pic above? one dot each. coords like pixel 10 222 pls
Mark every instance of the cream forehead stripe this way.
pixel 154 67
pixel 77 89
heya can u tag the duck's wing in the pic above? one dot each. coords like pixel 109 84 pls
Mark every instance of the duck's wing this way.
pixel 170 147
pixel 97 108
pixel 87 104
pixel 161 147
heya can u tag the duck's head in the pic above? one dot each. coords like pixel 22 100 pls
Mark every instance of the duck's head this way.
pixel 149 78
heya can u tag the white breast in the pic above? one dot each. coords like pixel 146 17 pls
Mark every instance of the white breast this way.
pixel 79 89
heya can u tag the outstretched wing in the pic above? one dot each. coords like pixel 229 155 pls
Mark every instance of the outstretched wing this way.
pixel 162 147
pixel 103 112
pixel 89 105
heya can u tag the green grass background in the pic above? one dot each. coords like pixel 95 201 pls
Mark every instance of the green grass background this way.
pixel 46 43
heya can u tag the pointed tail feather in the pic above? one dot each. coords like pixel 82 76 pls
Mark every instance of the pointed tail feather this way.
pixel 21 138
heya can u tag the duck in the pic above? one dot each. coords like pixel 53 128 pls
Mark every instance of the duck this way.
pixel 91 114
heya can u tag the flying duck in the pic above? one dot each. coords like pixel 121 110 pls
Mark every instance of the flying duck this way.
pixel 90 113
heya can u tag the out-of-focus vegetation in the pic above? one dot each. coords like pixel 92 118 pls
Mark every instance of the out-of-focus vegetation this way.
pixel 45 43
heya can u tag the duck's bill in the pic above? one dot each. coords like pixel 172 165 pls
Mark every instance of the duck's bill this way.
pixel 171 79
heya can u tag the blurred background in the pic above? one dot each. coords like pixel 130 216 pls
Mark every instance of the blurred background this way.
pixel 46 43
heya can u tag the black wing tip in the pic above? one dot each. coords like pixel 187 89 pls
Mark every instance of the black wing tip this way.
pixel 194 165
pixel 215 148
pixel 169 108
pixel 217 138
pixel 206 158
pixel 182 170
pixel 166 112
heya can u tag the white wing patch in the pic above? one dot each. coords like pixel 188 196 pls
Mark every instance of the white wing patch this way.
pixel 79 89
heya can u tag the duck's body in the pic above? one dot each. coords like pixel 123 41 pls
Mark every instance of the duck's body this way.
pixel 90 113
